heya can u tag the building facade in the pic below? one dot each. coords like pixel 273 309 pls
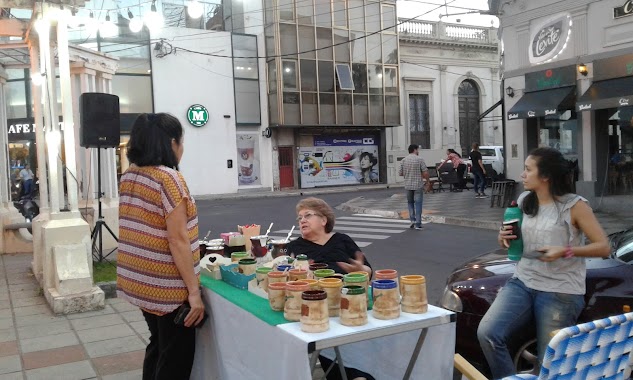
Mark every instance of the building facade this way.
pixel 450 77
pixel 568 79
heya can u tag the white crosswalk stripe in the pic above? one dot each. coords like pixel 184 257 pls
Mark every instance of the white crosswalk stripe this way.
pixel 373 219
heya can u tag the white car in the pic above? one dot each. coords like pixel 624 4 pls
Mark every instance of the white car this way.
pixel 491 155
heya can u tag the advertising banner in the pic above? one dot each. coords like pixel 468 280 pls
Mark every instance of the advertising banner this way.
pixel 248 159
pixel 334 161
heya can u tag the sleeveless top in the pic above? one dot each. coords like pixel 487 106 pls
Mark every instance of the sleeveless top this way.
pixel 147 275
pixel 552 226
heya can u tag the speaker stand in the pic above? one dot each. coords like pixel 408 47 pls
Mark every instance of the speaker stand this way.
pixel 97 233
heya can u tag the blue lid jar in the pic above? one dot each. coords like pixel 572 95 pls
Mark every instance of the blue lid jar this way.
pixel 384 284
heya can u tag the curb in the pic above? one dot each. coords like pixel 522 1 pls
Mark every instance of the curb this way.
pixel 439 219
pixel 297 192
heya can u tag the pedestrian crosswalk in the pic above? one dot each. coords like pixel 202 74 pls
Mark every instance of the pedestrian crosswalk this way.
pixel 363 228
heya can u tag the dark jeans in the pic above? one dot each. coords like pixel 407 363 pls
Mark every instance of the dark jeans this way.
pixel 479 181
pixel 28 187
pixel 335 373
pixel 460 175
pixel 169 354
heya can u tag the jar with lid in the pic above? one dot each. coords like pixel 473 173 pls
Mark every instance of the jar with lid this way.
pixel 323 273
pixel 413 291
pixel 332 286
pixel 386 299
pixel 301 262
pixel 314 267
pixel 292 308
pixel 387 274
pixel 314 311
pixel 247 266
pixel 237 256
pixel 353 305
pixel 357 278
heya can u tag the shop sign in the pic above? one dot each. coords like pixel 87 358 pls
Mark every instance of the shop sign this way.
pixel 623 102
pixel 513 116
pixel 584 107
pixel 624 10
pixel 550 112
pixel 549 79
pixel 549 38
pixel 615 67
pixel 338 160
pixel 23 129
pixel 531 114
pixel 197 115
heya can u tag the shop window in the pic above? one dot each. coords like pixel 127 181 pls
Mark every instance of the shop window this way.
pixel 289 69
pixel 308 75
pixel 307 42
pixel 340 13
pixel 247 102
pixel 356 12
pixel 388 18
pixel 620 151
pixel 326 76
pixel 344 76
pixel 419 125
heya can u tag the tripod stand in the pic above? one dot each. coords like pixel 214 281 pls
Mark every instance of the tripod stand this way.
pixel 97 234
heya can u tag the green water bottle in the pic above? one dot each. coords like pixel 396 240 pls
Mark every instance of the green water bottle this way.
pixel 513 217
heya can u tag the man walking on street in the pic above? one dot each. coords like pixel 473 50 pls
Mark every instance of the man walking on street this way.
pixel 414 170
pixel 27 180
pixel 479 172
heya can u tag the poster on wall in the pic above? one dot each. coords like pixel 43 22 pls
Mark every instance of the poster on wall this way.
pixel 248 159
pixel 341 160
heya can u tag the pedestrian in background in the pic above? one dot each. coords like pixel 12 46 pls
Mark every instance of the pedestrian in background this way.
pixel 26 175
pixel 158 258
pixel 414 170
pixel 546 292
pixel 478 171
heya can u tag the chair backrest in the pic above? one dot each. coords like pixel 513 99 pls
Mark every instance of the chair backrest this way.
pixel 433 173
pixel 594 350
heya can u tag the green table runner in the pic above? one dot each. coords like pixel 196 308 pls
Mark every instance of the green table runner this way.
pixel 246 300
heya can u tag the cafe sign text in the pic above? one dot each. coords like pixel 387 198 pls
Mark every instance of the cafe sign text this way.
pixel 624 10
pixel 549 38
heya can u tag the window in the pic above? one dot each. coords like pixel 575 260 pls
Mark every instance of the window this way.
pixel 323 13
pixel 289 69
pixel 391 80
pixel 344 76
pixel 419 126
pixel 356 15
pixel 286 10
pixel 340 13
pixel 132 91
pixel 359 77
pixel 288 38
pixel 247 102
pixel 246 79
pixel 389 18
pixel 306 42
pixel 292 112
pixel 326 76
pixel 308 75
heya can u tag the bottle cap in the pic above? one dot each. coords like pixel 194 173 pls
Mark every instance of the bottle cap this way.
pixel 514 204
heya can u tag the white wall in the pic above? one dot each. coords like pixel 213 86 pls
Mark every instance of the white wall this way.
pixel 183 79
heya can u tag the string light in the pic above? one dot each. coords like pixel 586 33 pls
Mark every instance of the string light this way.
pixel 153 19
pixel 136 24
pixel 108 29
pixel 195 9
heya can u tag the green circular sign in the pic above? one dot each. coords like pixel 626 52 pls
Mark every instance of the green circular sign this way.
pixel 197 115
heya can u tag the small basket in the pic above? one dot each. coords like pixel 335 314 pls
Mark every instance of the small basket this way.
pixel 232 277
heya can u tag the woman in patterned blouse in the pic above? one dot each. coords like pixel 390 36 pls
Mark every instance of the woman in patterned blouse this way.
pixel 158 258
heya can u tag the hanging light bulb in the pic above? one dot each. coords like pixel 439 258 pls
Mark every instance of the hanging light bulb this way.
pixel 153 19
pixel 73 19
pixel 108 29
pixel 37 79
pixel 91 25
pixel 195 9
pixel 136 24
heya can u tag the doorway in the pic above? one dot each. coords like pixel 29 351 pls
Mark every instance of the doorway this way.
pixel 286 167
pixel 468 100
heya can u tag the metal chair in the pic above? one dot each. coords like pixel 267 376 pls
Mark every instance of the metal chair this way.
pixel 435 179
pixel 502 193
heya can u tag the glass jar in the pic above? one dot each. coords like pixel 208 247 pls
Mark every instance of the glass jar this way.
pixel 314 311
pixel 413 291
pixel 332 286
pixel 353 305
pixel 301 262
pixel 277 296
pixel 292 308
pixel 386 299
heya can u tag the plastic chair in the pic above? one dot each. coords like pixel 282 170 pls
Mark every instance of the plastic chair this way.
pixel 594 350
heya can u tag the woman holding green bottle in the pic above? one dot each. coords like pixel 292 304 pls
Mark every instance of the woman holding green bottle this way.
pixel 548 291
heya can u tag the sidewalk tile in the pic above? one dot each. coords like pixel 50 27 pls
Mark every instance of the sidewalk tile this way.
pixel 19 294
pixel 105 333
pixel 30 286
pixel 7 335
pixel 114 346
pixel 48 342
pixel 10 364
pixel 9 348
pixel 124 306
pixel 6 323
pixel 140 327
pixel 108 365
pixel 105 311
pixel 28 301
pixel 133 316
pixel 32 310
pixel 6 313
pixel 52 357
pixel 97 321
pixel 38 319
pixel 70 371
pixel 131 375
pixel 53 328
pixel 12 376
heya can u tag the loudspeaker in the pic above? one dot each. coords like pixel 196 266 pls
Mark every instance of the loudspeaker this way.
pixel 100 120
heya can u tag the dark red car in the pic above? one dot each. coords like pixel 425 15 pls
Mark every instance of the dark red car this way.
pixel 472 287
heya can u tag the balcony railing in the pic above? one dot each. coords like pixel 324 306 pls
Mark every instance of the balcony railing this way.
pixel 433 30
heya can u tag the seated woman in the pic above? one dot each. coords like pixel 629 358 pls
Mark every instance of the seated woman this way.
pixel 458 165
pixel 316 222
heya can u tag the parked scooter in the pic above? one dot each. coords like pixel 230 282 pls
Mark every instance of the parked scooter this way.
pixel 25 203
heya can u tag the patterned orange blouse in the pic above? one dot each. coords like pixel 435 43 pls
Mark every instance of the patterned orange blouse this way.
pixel 146 273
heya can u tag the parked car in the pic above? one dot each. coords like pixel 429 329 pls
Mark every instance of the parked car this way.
pixel 473 286
pixel 493 156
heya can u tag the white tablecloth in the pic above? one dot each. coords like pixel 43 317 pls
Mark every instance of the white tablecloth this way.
pixel 234 344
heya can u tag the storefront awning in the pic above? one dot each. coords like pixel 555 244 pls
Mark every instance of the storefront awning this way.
pixel 610 93
pixel 543 103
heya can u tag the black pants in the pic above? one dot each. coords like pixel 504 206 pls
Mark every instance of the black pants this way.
pixel 335 373
pixel 460 176
pixel 169 354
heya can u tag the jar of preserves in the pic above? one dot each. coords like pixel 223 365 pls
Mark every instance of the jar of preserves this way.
pixel 353 305
pixel 314 311
pixel 292 308
pixel 332 286
pixel 386 299
pixel 413 291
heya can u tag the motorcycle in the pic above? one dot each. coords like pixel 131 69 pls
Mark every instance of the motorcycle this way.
pixel 25 203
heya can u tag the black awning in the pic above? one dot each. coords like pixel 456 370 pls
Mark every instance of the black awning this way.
pixel 543 103
pixel 486 112
pixel 610 93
